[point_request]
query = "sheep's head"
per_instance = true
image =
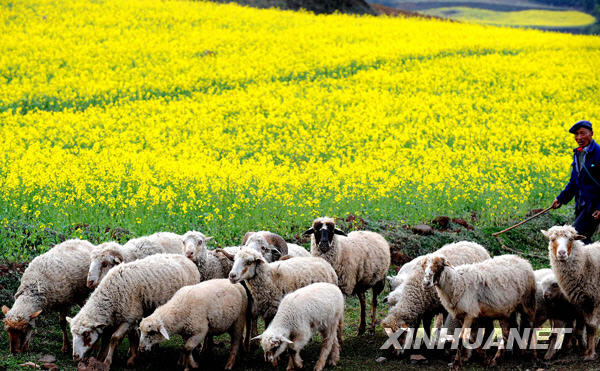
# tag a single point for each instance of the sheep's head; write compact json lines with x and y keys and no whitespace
{"x":562,"y":240}
{"x":245,"y":264}
{"x":272,"y":246}
{"x":84,"y":337}
{"x":19,"y":329}
{"x":551,"y":289}
{"x":103,"y":258}
{"x":434,"y":266}
{"x":393,"y":297}
{"x":194,"y":245}
{"x":397,"y":321}
{"x":324,"y":230}
{"x":152,"y":332}
{"x":273,"y":345}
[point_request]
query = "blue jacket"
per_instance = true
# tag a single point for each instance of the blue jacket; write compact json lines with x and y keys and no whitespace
{"x":581,"y":186}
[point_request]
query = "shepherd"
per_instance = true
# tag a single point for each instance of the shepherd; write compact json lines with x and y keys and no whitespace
{"x":584,"y":184}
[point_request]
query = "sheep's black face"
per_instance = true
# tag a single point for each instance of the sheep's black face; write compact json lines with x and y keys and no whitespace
{"x":324,"y":236}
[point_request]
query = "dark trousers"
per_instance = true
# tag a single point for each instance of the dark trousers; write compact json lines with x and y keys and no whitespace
{"x":586,"y":224}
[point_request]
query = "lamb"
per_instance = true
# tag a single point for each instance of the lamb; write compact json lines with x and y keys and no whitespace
{"x":360,"y":259}
{"x":269,"y":282}
{"x":211,"y":263}
{"x":316,"y":307}
{"x":109,"y":254}
{"x":413,"y":303}
{"x":552,"y":305}
{"x":496,"y":288}
{"x":128,"y":292}
{"x":577,"y":270}
{"x":272,"y":246}
{"x":53,"y":281}
{"x":211,"y":307}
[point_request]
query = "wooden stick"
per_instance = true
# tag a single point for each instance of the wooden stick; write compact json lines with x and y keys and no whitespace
{"x":523,"y":222}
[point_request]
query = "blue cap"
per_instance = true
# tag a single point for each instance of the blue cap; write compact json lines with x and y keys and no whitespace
{"x":580,"y":124}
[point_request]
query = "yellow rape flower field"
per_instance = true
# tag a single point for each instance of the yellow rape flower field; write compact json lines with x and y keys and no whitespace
{"x":175,"y":115}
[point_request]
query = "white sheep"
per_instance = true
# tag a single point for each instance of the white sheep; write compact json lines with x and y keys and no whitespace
{"x":211,"y":263}
{"x":211,"y":307}
{"x":496,"y":288}
{"x":109,"y":254}
{"x":412,"y":303}
{"x":53,"y":281}
{"x":402,"y":274}
{"x":360,"y":259}
{"x":577,"y":270}
{"x":553,"y":305}
{"x":317,"y":307}
{"x":269,"y":282}
{"x":272,"y":246}
{"x":124,"y":295}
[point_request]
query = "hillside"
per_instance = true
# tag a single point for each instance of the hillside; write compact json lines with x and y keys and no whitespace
{"x":316,"y":6}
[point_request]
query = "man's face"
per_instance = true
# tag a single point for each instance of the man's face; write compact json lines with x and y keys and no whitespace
{"x":583,"y":136}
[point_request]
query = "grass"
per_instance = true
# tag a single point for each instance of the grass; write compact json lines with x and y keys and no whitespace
{"x":522,"y":18}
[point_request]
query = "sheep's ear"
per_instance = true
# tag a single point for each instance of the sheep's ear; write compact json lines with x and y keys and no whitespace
{"x":256,"y":337}
{"x":308,"y":232}
{"x":246,"y":237}
{"x":34,"y":315}
{"x":5,"y":309}
{"x":545,"y":233}
{"x":118,"y":259}
{"x":69,"y":319}
{"x":276,"y":253}
{"x":579,"y":237}
{"x":287,"y":340}
{"x":163,"y":331}
{"x":339,"y":231}
{"x":209,"y":238}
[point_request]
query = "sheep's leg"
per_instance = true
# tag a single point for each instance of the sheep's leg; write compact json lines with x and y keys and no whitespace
{"x":427,"y":318}
{"x":189,"y":347}
{"x":62,"y":319}
{"x":115,"y":339}
{"x":134,"y":350}
{"x":237,"y":336}
{"x":554,"y":324}
{"x":329,"y":337}
{"x":505,"y":324}
{"x":363,"y":304}
{"x":579,"y":332}
{"x":377,"y":289}
{"x":105,"y":344}
{"x":590,"y":352}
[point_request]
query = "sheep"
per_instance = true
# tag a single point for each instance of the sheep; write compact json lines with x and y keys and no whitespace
{"x":360,"y":259}
{"x":552,"y":305}
{"x":316,"y":307}
{"x":107,"y":255}
{"x":412,"y":303}
{"x":397,"y":280}
{"x":269,"y":282}
{"x":577,"y":270}
{"x":495,"y":288}
{"x":123,"y":297}
{"x":272,"y":246}
{"x":211,"y":307}
{"x":211,"y":263}
{"x":53,"y":281}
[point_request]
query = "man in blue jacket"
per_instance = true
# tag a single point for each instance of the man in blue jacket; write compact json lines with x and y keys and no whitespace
{"x":584,"y":184}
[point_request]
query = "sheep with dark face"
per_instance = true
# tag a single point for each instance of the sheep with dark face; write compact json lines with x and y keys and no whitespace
{"x":361,"y":260}
{"x":577,"y":270}
{"x":272,"y":246}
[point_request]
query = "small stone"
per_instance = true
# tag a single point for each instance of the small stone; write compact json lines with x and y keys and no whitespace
{"x":422,"y":229}
{"x":48,"y":358}
{"x":381,"y":359}
{"x":540,"y":369}
{"x":29,"y":364}
{"x":415,"y":358}
{"x":50,"y":366}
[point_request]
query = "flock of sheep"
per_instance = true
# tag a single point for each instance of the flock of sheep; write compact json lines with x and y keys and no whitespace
{"x":157,"y":286}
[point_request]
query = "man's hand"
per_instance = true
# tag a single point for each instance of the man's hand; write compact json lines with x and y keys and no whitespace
{"x":596,"y":214}
{"x":556,"y":204}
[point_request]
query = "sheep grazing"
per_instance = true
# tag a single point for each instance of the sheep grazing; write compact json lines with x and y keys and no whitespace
{"x":317,"y":307}
{"x":577,"y":270}
{"x":109,"y":254}
{"x":53,"y":281}
{"x":360,"y":259}
{"x":412,"y":303}
{"x":269,"y":282}
{"x":124,"y":295}
{"x":496,"y":288}
{"x":211,"y":263}
{"x":211,"y":307}
{"x":272,"y":246}
{"x":552,"y":305}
